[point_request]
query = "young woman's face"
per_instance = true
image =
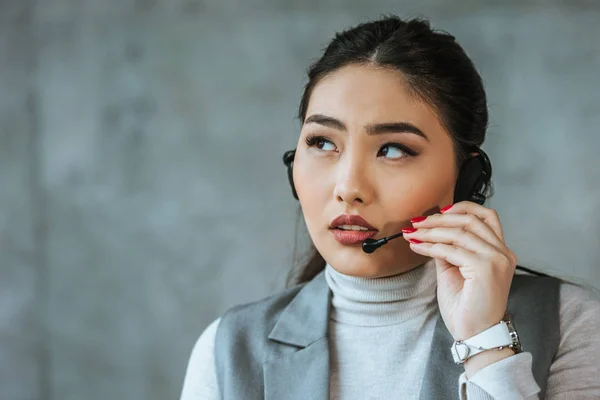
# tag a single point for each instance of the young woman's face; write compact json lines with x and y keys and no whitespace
{"x":369,"y":148}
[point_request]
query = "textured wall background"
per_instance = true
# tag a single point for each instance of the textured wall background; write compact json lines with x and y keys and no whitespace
{"x":141,"y":187}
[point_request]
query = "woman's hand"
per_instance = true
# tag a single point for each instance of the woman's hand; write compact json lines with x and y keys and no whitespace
{"x":474,"y":266}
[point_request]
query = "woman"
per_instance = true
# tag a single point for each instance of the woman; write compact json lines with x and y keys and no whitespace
{"x":393,"y":117}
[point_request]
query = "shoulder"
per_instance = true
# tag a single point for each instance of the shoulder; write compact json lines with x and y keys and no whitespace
{"x":540,"y":292}
{"x":579,"y":308}
{"x":257,"y":313}
{"x":579,"y":295}
{"x":527,"y":280}
{"x":241,"y":339}
{"x":205,"y":343}
{"x":202,"y":353}
{"x":200,"y":378}
{"x":572,"y":300}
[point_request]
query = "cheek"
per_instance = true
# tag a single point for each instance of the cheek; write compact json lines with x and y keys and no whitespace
{"x":407,"y":196}
{"x":312,"y":186}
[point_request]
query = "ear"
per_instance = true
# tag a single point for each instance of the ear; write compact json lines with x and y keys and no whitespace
{"x":288,"y":160}
{"x":288,"y":157}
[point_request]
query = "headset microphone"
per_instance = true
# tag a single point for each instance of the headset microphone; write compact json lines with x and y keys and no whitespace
{"x":370,"y":245}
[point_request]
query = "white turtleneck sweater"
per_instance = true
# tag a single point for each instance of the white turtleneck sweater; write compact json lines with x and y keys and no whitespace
{"x":380,"y":333}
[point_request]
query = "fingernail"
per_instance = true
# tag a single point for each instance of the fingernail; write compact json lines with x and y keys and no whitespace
{"x":409,"y":230}
{"x":418,"y":219}
{"x":415,"y":241}
{"x":446,"y":208}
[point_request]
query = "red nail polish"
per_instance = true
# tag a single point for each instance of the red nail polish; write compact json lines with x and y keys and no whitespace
{"x":446,"y":208}
{"x":418,"y":219}
{"x":415,"y":241}
{"x":409,"y":230}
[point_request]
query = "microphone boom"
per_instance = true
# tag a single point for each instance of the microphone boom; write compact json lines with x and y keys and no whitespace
{"x":370,"y":245}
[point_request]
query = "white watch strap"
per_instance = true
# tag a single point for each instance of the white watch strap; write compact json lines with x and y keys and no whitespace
{"x":495,"y":337}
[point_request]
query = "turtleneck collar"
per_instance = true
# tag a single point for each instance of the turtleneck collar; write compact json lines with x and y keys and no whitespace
{"x":381,"y":301}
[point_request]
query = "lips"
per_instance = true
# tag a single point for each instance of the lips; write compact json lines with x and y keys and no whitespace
{"x":352,"y":236}
{"x":347,"y":219}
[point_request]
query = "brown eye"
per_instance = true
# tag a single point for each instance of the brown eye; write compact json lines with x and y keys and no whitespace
{"x":392,"y":151}
{"x":320,"y":143}
{"x":395,"y":151}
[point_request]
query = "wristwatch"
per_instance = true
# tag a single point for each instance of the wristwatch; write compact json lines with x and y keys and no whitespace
{"x":499,"y":336}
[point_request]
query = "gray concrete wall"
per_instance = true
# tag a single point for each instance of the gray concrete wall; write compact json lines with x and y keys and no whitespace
{"x":141,"y":187}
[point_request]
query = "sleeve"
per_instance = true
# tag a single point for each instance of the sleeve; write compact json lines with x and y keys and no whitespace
{"x":508,"y":379}
{"x":574,"y":371}
{"x":200,"y":381}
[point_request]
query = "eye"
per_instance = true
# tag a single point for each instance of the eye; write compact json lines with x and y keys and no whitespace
{"x":320,"y":143}
{"x":395,"y":151}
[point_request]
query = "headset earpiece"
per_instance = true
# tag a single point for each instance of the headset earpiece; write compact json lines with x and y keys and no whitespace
{"x":474,"y":178}
{"x":288,"y":160}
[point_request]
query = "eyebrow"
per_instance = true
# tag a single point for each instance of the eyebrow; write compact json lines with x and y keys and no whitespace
{"x":373,"y":129}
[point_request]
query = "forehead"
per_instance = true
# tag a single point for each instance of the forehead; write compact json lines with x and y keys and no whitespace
{"x":363,"y":94}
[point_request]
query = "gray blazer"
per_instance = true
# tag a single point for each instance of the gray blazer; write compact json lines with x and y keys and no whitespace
{"x":277,"y":348}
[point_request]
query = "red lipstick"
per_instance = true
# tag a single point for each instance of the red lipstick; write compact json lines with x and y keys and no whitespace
{"x":351,"y":229}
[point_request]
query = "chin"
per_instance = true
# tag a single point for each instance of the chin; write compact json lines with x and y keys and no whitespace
{"x":390,"y":260}
{"x":353,"y":261}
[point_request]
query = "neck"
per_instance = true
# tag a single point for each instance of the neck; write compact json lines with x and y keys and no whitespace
{"x":381,"y":301}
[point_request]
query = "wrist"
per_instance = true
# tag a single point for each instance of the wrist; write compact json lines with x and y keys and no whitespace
{"x":479,"y":361}
{"x":500,"y":338}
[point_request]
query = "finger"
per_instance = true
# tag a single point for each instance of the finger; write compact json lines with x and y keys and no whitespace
{"x":456,"y":237}
{"x":456,"y":256}
{"x":487,"y":215}
{"x":468,"y":222}
{"x":469,"y":263}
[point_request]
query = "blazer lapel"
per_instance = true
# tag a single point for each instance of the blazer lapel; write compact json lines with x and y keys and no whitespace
{"x":298,"y":365}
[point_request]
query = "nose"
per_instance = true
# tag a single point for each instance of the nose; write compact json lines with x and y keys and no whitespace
{"x":353,"y":185}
